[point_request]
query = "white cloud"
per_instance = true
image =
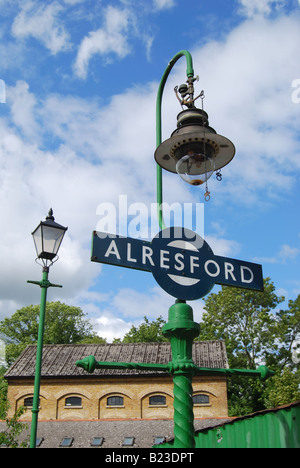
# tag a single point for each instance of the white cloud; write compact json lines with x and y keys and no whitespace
{"x":23,"y":109}
{"x":111,"y":39}
{"x":125,"y":309}
{"x":34,"y":180}
{"x":223,"y":247}
{"x":97,"y":153}
{"x":286,"y":253}
{"x":296,"y":351}
{"x":136,"y":304}
{"x":129,"y":307}
{"x":73,"y":2}
{"x":2,"y":92}
{"x":248,"y":98}
{"x":42,"y":22}
{"x":164,"y":4}
{"x":109,"y":326}
{"x":259,"y":8}
{"x":122,"y":28}
{"x":84,"y":168}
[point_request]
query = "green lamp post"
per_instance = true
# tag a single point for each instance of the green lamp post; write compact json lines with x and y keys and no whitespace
{"x":195,"y":151}
{"x":47,"y":239}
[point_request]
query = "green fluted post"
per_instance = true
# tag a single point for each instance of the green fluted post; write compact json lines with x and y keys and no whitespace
{"x":39,"y":351}
{"x":44,"y":285}
{"x":181,"y":331}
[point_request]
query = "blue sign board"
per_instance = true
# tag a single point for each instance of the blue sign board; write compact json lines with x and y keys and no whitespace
{"x":181,"y":262}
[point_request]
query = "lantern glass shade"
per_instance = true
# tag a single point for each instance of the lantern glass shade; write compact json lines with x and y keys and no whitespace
{"x":195,"y":168}
{"x":48,"y":237}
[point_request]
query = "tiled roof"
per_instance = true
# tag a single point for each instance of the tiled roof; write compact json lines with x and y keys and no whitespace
{"x":59,"y":360}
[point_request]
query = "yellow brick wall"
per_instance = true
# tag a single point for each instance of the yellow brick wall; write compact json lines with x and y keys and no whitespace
{"x":135,"y":391}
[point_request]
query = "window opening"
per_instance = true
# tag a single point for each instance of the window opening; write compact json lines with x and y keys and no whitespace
{"x":38,"y":441}
{"x":115,"y":401}
{"x":97,"y":441}
{"x":128,"y":441}
{"x":73,"y":401}
{"x":200,"y":399}
{"x":157,"y":400}
{"x":159,"y":440}
{"x":66,"y":442}
{"x":28,"y":402}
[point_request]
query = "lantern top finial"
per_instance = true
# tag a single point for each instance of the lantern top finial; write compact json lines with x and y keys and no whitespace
{"x":50,"y":215}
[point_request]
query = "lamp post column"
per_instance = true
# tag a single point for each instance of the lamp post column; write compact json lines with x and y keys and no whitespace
{"x":44,"y":284}
{"x":47,"y":239}
{"x":181,"y":331}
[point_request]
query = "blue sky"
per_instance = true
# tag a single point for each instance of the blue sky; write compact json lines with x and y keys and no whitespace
{"x":77,"y":130}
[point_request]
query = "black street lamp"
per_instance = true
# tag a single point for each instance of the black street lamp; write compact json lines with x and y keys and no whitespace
{"x":47,"y":239}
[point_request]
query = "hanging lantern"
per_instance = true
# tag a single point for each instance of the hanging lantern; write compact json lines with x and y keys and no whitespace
{"x":194,"y":150}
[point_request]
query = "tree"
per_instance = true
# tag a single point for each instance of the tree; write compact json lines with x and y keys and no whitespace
{"x":63,"y":325}
{"x":147,"y":332}
{"x":10,"y":437}
{"x":252,"y":331}
{"x":3,"y":397}
{"x":242,"y":318}
{"x":288,"y":348}
{"x":284,"y":388}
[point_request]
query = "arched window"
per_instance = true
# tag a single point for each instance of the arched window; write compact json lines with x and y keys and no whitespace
{"x":200,"y":399}
{"x":157,"y":400}
{"x":28,"y":402}
{"x":73,"y":401}
{"x":115,"y":401}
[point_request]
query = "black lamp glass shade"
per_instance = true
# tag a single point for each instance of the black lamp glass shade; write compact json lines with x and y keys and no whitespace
{"x":47,"y":238}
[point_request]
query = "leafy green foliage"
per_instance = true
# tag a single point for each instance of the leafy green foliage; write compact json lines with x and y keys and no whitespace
{"x":282,"y":389}
{"x":3,"y":397}
{"x":64,"y":324}
{"x":255,"y":334}
{"x":10,"y":437}
{"x":242,"y":318}
{"x":147,"y":332}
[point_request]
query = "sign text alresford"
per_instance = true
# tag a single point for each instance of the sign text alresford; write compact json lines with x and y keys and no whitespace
{"x":181,"y":262}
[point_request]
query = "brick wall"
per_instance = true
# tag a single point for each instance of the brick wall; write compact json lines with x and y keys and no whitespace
{"x":134,"y":390}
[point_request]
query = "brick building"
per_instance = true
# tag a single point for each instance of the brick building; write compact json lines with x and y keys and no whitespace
{"x":69,"y":393}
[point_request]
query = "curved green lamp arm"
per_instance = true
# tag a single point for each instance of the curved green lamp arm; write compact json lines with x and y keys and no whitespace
{"x":190,"y":73}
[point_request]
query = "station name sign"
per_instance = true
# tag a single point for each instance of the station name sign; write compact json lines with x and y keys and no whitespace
{"x":180,"y":260}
